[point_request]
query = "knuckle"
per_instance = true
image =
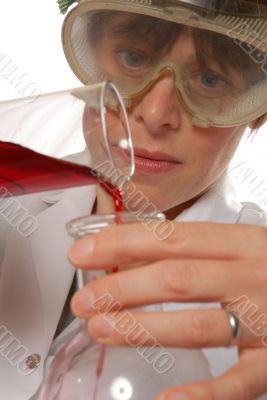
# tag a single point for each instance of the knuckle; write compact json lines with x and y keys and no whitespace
{"x":113,"y":286}
{"x":259,"y":269}
{"x":98,"y":240}
{"x":232,"y":389}
{"x":109,"y":289}
{"x":242,"y":391}
{"x":200,"y":329}
{"x":178,"y":241}
{"x":110,"y":236}
{"x":178,"y":277}
{"x":110,"y":240}
{"x":257,"y":236}
{"x":210,"y":394}
{"x":263,"y":233}
{"x":117,"y":242}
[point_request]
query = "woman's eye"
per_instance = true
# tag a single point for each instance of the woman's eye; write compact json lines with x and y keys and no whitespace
{"x":208,"y":84}
{"x":131,"y":59}
{"x":212,"y":80}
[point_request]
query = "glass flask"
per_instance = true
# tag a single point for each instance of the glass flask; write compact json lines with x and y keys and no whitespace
{"x":86,"y":370}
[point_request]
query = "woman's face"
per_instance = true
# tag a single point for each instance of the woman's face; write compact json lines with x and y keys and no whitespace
{"x":175,"y":160}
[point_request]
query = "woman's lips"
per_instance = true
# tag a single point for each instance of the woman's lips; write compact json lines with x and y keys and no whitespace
{"x":151,"y":163}
{"x":151,"y":166}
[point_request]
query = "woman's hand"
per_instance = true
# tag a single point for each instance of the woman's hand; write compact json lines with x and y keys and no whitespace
{"x":199,"y":262}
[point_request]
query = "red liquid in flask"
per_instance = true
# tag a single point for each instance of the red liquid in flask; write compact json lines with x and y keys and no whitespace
{"x":24,"y":171}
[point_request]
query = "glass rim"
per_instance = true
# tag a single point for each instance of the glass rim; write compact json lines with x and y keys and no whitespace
{"x":83,"y":94}
{"x":92,"y":224}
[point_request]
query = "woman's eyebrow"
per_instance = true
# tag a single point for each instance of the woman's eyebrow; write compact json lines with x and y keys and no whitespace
{"x":129,"y":29}
{"x":123,"y":30}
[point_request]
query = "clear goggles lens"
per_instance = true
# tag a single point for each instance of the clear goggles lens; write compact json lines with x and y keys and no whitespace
{"x":221,"y":81}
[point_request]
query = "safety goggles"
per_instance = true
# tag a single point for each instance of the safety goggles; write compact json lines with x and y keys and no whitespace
{"x":216,"y":52}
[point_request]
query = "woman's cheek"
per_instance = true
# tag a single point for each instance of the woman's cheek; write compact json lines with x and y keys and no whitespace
{"x":218,"y":145}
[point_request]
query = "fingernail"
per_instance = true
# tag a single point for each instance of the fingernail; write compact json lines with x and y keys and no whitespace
{"x":84,"y":301}
{"x":101,"y":327}
{"x":175,"y":396}
{"x":81,"y":250}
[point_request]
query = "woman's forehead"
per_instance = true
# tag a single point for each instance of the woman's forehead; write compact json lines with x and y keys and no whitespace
{"x":124,"y":23}
{"x":147,"y":29}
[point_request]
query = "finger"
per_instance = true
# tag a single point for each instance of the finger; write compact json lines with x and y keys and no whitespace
{"x":187,"y":328}
{"x":246,"y":381}
{"x":170,"y":280}
{"x":130,"y":243}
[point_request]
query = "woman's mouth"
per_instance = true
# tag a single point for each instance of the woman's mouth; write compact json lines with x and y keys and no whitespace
{"x":151,"y":162}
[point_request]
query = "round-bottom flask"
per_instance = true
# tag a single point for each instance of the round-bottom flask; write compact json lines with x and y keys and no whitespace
{"x":86,"y":370}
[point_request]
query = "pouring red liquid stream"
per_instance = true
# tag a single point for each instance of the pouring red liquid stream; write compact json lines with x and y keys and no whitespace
{"x":24,"y":171}
{"x":118,"y":205}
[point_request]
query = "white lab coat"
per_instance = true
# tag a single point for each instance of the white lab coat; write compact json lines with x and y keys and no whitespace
{"x":36,"y":274}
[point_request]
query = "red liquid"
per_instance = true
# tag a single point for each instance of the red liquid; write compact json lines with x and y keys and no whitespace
{"x":23,"y":171}
{"x":118,"y":205}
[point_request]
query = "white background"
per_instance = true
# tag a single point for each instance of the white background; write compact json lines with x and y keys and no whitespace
{"x":30,"y":37}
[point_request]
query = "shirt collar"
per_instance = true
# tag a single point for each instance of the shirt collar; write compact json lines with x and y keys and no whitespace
{"x":219,"y":204}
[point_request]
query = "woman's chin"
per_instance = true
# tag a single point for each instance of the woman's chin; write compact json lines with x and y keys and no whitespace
{"x":146,"y":202}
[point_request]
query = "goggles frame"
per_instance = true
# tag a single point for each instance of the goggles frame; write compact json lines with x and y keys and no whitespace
{"x":186,"y":12}
{"x":199,"y":118}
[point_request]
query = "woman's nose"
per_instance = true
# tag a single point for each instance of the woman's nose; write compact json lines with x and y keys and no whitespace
{"x":159,"y":109}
